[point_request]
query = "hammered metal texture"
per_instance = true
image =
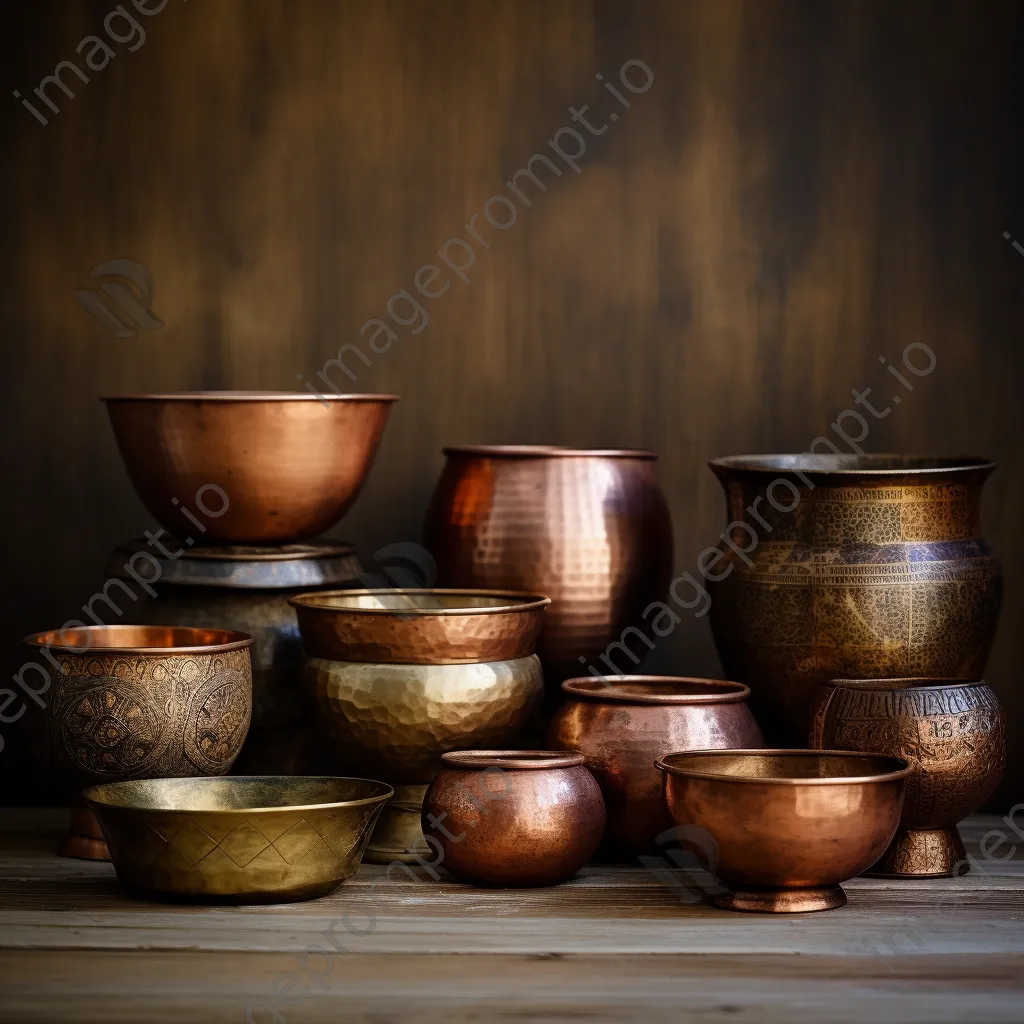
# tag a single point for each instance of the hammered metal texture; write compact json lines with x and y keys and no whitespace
{"x":952,"y":734}
{"x":225,"y":840}
{"x":869,"y":576}
{"x":590,"y":530}
{"x":394,"y":722}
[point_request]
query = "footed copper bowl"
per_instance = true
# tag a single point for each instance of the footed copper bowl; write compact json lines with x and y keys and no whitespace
{"x":242,"y":839}
{"x":788,"y":825}
{"x":251,"y":467}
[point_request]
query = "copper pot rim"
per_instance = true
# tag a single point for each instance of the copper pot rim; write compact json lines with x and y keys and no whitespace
{"x":850,"y":466}
{"x":309,"y":551}
{"x":91,"y":794}
{"x":894,"y":774}
{"x":523,"y":601}
{"x":593,"y":688}
{"x":904,"y":683}
{"x":219,"y":641}
{"x":546,"y":451}
{"x":249,"y":396}
{"x":516,"y":760}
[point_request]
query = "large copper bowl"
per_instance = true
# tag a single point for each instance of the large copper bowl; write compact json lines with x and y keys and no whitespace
{"x":849,"y":566}
{"x":251,"y":467}
{"x":142,"y":702}
{"x":420,"y":627}
{"x":623,"y":723}
{"x":787,"y":826}
{"x":588,"y":528}
{"x":952,"y":734}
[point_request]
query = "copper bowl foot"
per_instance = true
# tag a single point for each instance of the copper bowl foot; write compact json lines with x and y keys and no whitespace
{"x":85,"y":837}
{"x":398,"y":834}
{"x":782,"y":901}
{"x":923,"y":853}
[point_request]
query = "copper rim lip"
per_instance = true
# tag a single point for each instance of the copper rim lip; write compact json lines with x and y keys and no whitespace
{"x":513,"y":759}
{"x":135,"y":808}
{"x":905,"y":683}
{"x":310,"y":552}
{"x":524,"y":601}
{"x":834,"y":780}
{"x":593,"y":688}
{"x":231,"y":640}
{"x":859,"y":465}
{"x":248,"y":396}
{"x":545,"y":451}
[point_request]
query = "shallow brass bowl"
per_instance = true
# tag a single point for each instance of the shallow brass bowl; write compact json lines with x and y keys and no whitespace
{"x":788,"y":825}
{"x":420,"y":627}
{"x":243,"y":839}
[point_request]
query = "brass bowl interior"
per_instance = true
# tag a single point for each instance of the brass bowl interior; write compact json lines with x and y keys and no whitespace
{"x":787,"y":767}
{"x":656,"y":690}
{"x":422,"y":602}
{"x":141,"y":639}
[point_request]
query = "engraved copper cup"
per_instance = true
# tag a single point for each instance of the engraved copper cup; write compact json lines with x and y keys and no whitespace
{"x":623,"y":723}
{"x":513,"y":817}
{"x":786,"y":827}
{"x":953,"y":734}
{"x":142,"y":702}
{"x":849,"y":566}
{"x":588,"y":528}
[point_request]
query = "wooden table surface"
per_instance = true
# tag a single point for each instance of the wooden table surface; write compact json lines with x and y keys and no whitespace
{"x":614,"y":944}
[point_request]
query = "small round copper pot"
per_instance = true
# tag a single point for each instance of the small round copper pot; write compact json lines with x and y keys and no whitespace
{"x":785,"y":827}
{"x":953,"y":734}
{"x":623,"y":723}
{"x":512,"y":818}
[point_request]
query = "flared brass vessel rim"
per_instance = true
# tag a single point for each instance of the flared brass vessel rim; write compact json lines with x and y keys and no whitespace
{"x":546,"y":451}
{"x":900,"y":768}
{"x":881,"y":464}
{"x":616,"y":690}
{"x":905,"y":683}
{"x":185,"y":640}
{"x":513,"y":759}
{"x":522,"y":601}
{"x":248,"y":396}
{"x":92,"y":794}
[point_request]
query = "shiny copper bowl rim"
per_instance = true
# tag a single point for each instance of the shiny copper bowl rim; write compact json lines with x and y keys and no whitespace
{"x":596,"y":689}
{"x":513,"y":759}
{"x":316,"y":551}
{"x":89,"y":794}
{"x":832,"y":780}
{"x":527,"y":602}
{"x":905,"y":683}
{"x":817,"y":465}
{"x":231,"y":640}
{"x":248,"y":396}
{"x":545,"y":451}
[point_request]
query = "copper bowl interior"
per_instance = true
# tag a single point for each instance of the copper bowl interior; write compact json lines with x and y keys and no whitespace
{"x":141,"y":639}
{"x":655,"y":690}
{"x":785,"y":767}
{"x":514,"y":760}
{"x":388,"y":602}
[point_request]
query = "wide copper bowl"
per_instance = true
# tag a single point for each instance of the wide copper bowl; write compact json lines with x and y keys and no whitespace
{"x":243,"y":839}
{"x":588,"y":528}
{"x":258,"y":467}
{"x":143,"y":702}
{"x":513,"y":817}
{"x":849,"y":566}
{"x":420,"y":627}
{"x":952,"y":734}
{"x":622,"y":723}
{"x":786,"y":826}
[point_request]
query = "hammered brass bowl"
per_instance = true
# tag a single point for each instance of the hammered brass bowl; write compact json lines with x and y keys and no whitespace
{"x":788,"y":825}
{"x":420,"y":627}
{"x":251,"y":467}
{"x":242,"y":839}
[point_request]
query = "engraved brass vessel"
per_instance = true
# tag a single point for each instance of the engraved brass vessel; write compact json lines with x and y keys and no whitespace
{"x":953,"y":734}
{"x":142,"y":702}
{"x":857,"y":566}
{"x":788,"y":826}
{"x":242,"y":839}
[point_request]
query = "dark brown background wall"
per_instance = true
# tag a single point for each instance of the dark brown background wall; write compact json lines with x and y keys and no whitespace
{"x":804,"y":188}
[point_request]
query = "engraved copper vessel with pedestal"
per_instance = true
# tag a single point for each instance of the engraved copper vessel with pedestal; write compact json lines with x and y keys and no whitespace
{"x":588,"y":528}
{"x":856,"y":566}
{"x":953,"y":735}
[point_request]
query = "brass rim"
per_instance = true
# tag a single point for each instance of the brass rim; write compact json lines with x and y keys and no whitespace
{"x":248,"y":396}
{"x":513,"y":759}
{"x":546,"y":451}
{"x":301,"y":552}
{"x":230,"y":640}
{"x":524,"y":602}
{"x":882,"y":464}
{"x":595,"y":688}
{"x":908,"y":683}
{"x":769,"y":780}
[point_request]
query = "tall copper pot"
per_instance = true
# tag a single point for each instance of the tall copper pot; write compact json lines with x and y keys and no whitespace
{"x":588,"y":528}
{"x":850,"y":566}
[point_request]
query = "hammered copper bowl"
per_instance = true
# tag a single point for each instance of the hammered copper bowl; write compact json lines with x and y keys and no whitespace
{"x":622,"y":723}
{"x":513,"y":818}
{"x":257,"y":467}
{"x":788,"y":825}
{"x":142,"y":702}
{"x":953,"y":734}
{"x":420,"y":627}
{"x":242,"y":839}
